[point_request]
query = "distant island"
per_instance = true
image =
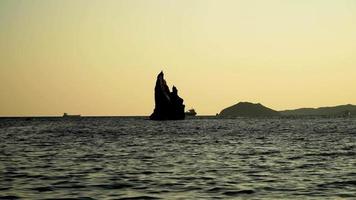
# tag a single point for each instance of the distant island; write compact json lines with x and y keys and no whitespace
{"x":247,"y":109}
{"x":336,"y":111}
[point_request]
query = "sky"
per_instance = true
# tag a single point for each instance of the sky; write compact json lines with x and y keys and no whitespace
{"x":102,"y":57}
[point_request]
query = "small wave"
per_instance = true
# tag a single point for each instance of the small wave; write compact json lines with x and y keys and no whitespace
{"x":346,"y":195}
{"x":72,"y":187}
{"x":217,"y":189}
{"x":4,"y":188}
{"x":77,"y":198}
{"x":334,"y":154}
{"x":294,"y":157}
{"x":338,"y":184}
{"x":191,"y":188}
{"x":114,"y":186}
{"x":43,"y":189}
{"x":138,"y":197}
{"x":148,"y":172}
{"x":239,"y":192}
{"x":309,"y":165}
{"x":171,"y":185}
{"x":229,"y":191}
{"x":10,"y":197}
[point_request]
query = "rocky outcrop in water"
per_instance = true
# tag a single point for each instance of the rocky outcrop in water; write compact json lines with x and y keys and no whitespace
{"x":168,"y":105}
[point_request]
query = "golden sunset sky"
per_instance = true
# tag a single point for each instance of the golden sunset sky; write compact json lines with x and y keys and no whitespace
{"x":102,"y":57}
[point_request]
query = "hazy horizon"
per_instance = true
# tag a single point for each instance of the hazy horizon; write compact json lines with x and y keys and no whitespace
{"x":143,"y":115}
{"x":102,"y":57}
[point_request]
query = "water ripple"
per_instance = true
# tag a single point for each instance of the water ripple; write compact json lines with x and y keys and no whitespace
{"x":134,"y":158}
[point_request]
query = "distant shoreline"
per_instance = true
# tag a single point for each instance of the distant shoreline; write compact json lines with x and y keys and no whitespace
{"x":188,"y":118}
{"x":103,"y":116}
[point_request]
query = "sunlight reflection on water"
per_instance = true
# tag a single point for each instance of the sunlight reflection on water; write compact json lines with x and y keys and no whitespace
{"x":118,"y":158}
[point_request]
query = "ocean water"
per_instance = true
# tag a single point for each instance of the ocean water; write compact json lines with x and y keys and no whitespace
{"x":134,"y":158}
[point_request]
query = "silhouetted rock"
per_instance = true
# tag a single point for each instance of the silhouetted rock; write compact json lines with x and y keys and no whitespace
{"x":168,"y":105}
{"x":246,"y":109}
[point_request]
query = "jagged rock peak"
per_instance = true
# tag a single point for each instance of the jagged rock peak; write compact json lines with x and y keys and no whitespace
{"x":168,"y":105}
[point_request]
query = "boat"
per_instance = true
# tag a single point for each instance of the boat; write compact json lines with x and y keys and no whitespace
{"x":66,"y":115}
{"x":191,"y":112}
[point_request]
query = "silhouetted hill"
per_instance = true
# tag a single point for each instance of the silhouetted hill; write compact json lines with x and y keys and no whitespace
{"x":247,"y":109}
{"x":342,"y":110}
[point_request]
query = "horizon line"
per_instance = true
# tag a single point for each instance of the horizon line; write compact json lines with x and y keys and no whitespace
{"x":203,"y":115}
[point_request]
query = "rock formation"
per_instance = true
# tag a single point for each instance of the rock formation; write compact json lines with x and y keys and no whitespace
{"x":168,"y":105}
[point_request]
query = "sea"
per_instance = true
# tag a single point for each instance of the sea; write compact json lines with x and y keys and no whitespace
{"x":199,"y":158}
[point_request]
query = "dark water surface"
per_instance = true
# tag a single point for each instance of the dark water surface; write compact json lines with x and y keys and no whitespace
{"x":133,"y":158}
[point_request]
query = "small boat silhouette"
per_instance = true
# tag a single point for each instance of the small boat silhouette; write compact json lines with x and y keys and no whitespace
{"x":191,"y":112}
{"x":67,"y":115}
